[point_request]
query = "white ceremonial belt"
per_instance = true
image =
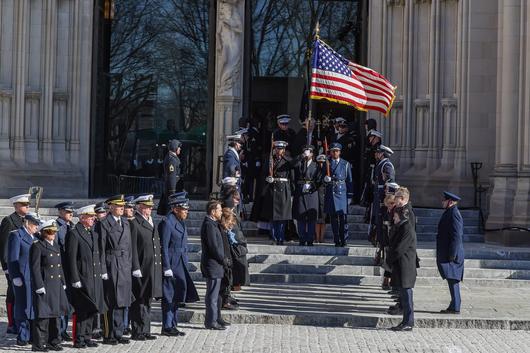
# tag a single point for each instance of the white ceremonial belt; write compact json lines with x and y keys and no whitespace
{"x":281,"y":179}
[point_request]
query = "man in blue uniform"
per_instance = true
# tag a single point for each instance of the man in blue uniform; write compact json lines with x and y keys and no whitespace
{"x":231,"y":160}
{"x":450,"y":249}
{"x":339,"y":192}
{"x":384,"y":172}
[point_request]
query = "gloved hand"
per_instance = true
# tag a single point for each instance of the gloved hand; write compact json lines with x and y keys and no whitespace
{"x":77,"y":285}
{"x":269,"y":179}
{"x":168,"y":273}
{"x":349,"y":201}
{"x":327,"y":179}
{"x":105,"y":276}
{"x":64,"y":287}
{"x":137,"y":273}
{"x":258,"y":164}
{"x":17,"y":282}
{"x":41,"y":291}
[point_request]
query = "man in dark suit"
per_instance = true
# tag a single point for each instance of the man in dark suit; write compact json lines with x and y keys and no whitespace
{"x":177,"y":285}
{"x":10,"y":223}
{"x":171,"y":175}
{"x":213,"y":261}
{"x":84,"y":274}
{"x":450,"y":249}
{"x":146,"y":252}
{"x":115,"y":235}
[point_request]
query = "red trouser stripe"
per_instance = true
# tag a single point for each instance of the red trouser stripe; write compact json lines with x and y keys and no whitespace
{"x":74,"y":327}
{"x":10,"y":321}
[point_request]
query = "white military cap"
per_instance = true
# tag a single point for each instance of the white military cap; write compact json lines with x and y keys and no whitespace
{"x":229,"y":181}
{"x":24,"y":198}
{"x":385,"y":150}
{"x":280,"y":144}
{"x":375,"y":133}
{"x":48,"y":225}
{"x":283,"y":119}
{"x":236,"y":137}
{"x":146,"y":199}
{"x":86,"y":210}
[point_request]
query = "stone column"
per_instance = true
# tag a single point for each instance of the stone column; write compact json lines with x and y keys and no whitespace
{"x":228,"y":73}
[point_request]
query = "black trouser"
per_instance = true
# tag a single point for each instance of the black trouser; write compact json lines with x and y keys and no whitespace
{"x":114,"y":323}
{"x":83,"y":323}
{"x":140,"y":316}
{"x":46,"y":331}
{"x":226,"y":285}
{"x":213,"y":301}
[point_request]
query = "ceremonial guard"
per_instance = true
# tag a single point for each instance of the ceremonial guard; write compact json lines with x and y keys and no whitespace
{"x":171,"y":175}
{"x":146,"y":249}
{"x":115,"y":234}
{"x":384,"y":172}
{"x":339,"y":191}
{"x":49,"y":297}
{"x":231,"y":161}
{"x":177,"y":285}
{"x":64,"y":224}
{"x":284,"y":132}
{"x":252,"y":158}
{"x":276,"y":204}
{"x":321,"y":217}
{"x":373,"y":140}
{"x":10,"y":223}
{"x":85,"y":271}
{"x":18,"y":264}
{"x":450,"y":249}
{"x":305,"y":204}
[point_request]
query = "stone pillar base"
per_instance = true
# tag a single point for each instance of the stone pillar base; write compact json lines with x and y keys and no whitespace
{"x":508,"y":237}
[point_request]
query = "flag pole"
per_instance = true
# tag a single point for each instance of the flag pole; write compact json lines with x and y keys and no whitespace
{"x":310,"y":101}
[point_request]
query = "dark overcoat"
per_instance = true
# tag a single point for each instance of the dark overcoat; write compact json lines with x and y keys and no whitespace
{"x":47,"y":272}
{"x":340,"y":189}
{"x":231,"y":163}
{"x":239,"y":251}
{"x":449,"y":243}
{"x":171,"y":181}
{"x":117,"y":251}
{"x":213,"y":257}
{"x":384,"y":172}
{"x":174,"y":249}
{"x":276,"y":202}
{"x":147,"y":257}
{"x":402,"y":255}
{"x":19,"y":244}
{"x":9,"y":224}
{"x":306,"y":202}
{"x":85,"y":265}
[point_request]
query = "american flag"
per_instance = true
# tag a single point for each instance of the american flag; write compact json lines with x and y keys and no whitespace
{"x":339,"y":80}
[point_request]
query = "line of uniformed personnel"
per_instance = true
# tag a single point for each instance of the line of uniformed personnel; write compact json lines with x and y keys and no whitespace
{"x":110,"y":264}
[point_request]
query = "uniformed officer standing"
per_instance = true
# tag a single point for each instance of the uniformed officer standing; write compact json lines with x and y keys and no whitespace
{"x":177,"y":285}
{"x":146,"y":249}
{"x":339,"y":192}
{"x":171,"y":175}
{"x":85,"y":273}
{"x":252,"y":152}
{"x":284,"y":133}
{"x":346,"y":140}
{"x":276,"y":206}
{"x":18,"y":264}
{"x":10,"y":223}
{"x":305,"y":204}
{"x":64,"y":224}
{"x":115,"y":234}
{"x":384,"y":172}
{"x":231,"y":161}
{"x":450,"y":249}
{"x":48,"y":283}
{"x":373,"y":140}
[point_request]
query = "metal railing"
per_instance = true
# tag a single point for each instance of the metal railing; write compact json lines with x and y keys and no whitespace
{"x":128,"y":184}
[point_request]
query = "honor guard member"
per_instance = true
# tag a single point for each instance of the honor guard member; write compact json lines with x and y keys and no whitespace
{"x":231,"y":161}
{"x":384,"y":172}
{"x":10,"y":223}
{"x":284,"y":133}
{"x":305,"y":204}
{"x":346,"y":140}
{"x":49,"y":296}
{"x":373,"y":140}
{"x":339,"y":192}
{"x":277,"y":205}
{"x":177,"y":285}
{"x":64,"y":224}
{"x":171,"y":175}
{"x":252,"y":151}
{"x":450,"y":249}
{"x":148,"y":283}
{"x":101,"y":211}
{"x":18,"y":264}
{"x":85,"y":273}
{"x":334,"y":130}
{"x":115,"y":235}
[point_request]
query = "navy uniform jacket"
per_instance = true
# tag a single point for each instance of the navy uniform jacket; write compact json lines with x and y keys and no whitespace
{"x":61,"y":233}
{"x":85,"y":265}
{"x":305,"y":204}
{"x":348,"y":145}
{"x":146,"y":250}
{"x":213,"y":257}
{"x":340,"y":189}
{"x":18,"y":244}
{"x":116,"y":248}
{"x":47,"y":272}
{"x":171,"y":179}
{"x":174,"y":249}
{"x":276,"y":197}
{"x":384,"y":172}
{"x":231,"y":163}
{"x":449,"y":243}
{"x":9,"y":224}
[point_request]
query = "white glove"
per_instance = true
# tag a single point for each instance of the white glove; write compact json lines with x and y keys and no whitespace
{"x":64,"y":287}
{"x":6,"y":271}
{"x":168,"y":273}
{"x":238,"y":174}
{"x":41,"y":291}
{"x":349,"y":201}
{"x":258,"y":164}
{"x":327,"y":179}
{"x":77,"y":285}
{"x":105,"y":276}
{"x":17,"y":282}
{"x":137,"y":273}
{"x":269,"y":179}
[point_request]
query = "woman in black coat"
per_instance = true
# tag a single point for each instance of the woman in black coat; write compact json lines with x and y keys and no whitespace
{"x":402,"y":260}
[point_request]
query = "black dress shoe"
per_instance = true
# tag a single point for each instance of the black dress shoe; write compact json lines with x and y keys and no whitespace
{"x":281,"y":242}
{"x":55,"y":347}
{"x":230,"y":306}
{"x":150,"y":337}
{"x":123,"y":340}
{"x":223,"y":322}
{"x":66,"y":337}
{"x":310,"y":243}
{"x":127,"y":331}
{"x":12,"y":330}
{"x":21,"y":343}
{"x":96,"y":335}
{"x":172,"y":332}
{"x":110,"y":341}
{"x":402,"y":327}
{"x":449,"y":311}
{"x":394,"y":310}
{"x":337,"y":245}
{"x":181,"y":305}
{"x":91,"y":344}
{"x":215,"y":326}
{"x":139,"y":337}
{"x":79,"y":345}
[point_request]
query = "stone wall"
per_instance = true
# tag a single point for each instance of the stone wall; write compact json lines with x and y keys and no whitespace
{"x":45,"y":80}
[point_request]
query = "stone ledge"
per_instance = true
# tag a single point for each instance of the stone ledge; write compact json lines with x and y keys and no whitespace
{"x":508,"y":237}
